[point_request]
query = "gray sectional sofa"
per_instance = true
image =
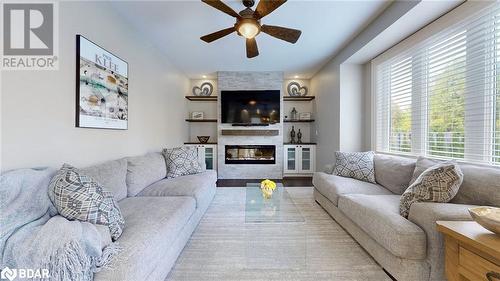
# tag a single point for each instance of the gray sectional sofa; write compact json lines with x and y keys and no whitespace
{"x":409,"y":249}
{"x":160,"y":214}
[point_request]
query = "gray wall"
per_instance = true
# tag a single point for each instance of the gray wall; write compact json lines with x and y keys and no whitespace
{"x":38,"y":107}
{"x":340,"y":115}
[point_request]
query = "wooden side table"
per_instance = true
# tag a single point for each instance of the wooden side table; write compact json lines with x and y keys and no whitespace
{"x":471,"y":252}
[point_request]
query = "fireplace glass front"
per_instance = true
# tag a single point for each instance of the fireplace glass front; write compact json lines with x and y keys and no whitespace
{"x":250,"y":154}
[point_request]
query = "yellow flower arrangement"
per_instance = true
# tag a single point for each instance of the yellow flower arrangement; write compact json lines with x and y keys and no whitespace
{"x":267,"y":187}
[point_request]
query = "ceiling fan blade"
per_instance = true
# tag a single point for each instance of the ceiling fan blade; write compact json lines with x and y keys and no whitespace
{"x":252,"y":50}
{"x":219,"y":5}
{"x":283,"y":33}
{"x":265,"y":7}
{"x":217,"y":35}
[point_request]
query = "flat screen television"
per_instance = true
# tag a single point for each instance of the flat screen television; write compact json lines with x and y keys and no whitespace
{"x":250,"y":107}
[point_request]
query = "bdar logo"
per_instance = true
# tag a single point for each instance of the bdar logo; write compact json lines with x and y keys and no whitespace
{"x":28,"y":29}
{"x":8,"y":273}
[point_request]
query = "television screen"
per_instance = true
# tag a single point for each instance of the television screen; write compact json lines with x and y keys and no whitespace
{"x":250,"y":107}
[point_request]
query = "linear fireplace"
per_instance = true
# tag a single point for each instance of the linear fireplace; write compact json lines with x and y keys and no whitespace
{"x":250,"y":154}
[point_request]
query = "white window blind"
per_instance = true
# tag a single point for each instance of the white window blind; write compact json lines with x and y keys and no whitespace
{"x":441,"y":98}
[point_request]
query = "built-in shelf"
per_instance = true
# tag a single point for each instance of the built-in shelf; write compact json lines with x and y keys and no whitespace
{"x":214,"y":98}
{"x":306,"y":98}
{"x":304,"y":143}
{"x":200,"y":143}
{"x":201,"y":120}
{"x":299,"y":121}
{"x":202,"y":98}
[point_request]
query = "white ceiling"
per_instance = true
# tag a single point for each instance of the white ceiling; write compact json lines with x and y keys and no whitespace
{"x":175,"y":27}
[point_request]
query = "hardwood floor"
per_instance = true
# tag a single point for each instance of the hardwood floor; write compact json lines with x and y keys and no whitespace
{"x":226,"y":248}
{"x":287,"y":182}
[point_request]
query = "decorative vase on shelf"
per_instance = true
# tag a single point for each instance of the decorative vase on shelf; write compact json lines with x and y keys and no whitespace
{"x":292,"y":135}
{"x":299,"y":137}
{"x":293,"y":114}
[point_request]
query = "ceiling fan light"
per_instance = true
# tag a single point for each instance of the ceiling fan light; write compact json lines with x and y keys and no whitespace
{"x":248,"y":29}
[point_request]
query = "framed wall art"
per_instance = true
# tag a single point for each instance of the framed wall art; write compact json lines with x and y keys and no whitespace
{"x":101,"y":87}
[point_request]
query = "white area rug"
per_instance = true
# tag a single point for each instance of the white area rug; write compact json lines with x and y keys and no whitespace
{"x":224,"y":247}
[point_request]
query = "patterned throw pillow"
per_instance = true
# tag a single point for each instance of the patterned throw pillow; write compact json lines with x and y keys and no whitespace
{"x":356,"y":165}
{"x":182,"y":161}
{"x":439,"y":183}
{"x":79,"y":197}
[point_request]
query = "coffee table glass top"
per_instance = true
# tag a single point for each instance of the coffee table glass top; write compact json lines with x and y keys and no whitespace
{"x":279,"y":208}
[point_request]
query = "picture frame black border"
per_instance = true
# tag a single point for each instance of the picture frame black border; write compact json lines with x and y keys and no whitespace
{"x":77,"y":85}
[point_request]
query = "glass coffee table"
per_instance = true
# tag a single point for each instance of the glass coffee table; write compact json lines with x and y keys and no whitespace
{"x":278,"y":208}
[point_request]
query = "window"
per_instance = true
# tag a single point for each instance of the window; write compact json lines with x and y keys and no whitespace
{"x":446,"y":97}
{"x":400,"y":88}
{"x":441,"y":98}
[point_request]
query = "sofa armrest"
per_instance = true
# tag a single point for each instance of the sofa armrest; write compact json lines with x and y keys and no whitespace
{"x":425,"y":215}
{"x":328,"y":169}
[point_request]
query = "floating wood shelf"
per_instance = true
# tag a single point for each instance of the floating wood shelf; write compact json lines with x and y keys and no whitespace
{"x":250,"y":132}
{"x":200,"y":143}
{"x":304,"y":143}
{"x":299,"y":121}
{"x":201,"y":120}
{"x":306,"y":98}
{"x":202,"y":98}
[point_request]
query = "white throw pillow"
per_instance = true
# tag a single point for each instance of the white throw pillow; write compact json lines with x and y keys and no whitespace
{"x":439,"y":183}
{"x":182,"y":161}
{"x":356,"y":165}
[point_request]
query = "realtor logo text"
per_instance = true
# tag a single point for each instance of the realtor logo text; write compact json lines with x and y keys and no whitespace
{"x":29,"y":36}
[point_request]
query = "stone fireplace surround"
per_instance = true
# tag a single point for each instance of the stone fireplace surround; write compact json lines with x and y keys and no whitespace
{"x":233,"y":81}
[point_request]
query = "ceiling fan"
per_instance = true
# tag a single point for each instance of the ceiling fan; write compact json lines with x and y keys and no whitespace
{"x":248,"y":24}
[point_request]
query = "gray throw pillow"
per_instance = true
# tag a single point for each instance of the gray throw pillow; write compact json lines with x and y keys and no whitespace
{"x":182,"y":161}
{"x":79,"y":197}
{"x":356,"y":165}
{"x":439,"y":183}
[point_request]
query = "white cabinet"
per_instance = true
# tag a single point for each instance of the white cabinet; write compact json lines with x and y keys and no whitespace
{"x":299,"y":158}
{"x":207,"y":155}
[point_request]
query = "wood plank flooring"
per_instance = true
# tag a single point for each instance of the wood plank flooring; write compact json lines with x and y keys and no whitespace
{"x":224,"y":247}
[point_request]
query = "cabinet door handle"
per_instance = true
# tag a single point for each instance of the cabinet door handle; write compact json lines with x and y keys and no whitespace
{"x":493,"y":275}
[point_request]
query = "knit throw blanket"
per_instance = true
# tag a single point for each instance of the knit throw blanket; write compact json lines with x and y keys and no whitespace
{"x":34,"y":237}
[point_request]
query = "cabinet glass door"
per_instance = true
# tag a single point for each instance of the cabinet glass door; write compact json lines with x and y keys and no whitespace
{"x":291,"y":161}
{"x":306,"y":159}
{"x":209,"y":158}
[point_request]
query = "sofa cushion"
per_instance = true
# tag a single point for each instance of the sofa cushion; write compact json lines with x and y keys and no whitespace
{"x":77,"y":196}
{"x":153,"y":224}
{"x":439,"y":183}
{"x":480,"y":185}
{"x":356,"y":165}
{"x":197,"y":186}
{"x":378,"y":216}
{"x":332,"y":186}
{"x":393,"y":172}
{"x":143,"y":171}
{"x":182,"y":161}
{"x":111,"y":175}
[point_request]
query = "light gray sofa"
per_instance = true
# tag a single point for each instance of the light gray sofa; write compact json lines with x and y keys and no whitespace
{"x":160,"y":214}
{"x":409,"y":249}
